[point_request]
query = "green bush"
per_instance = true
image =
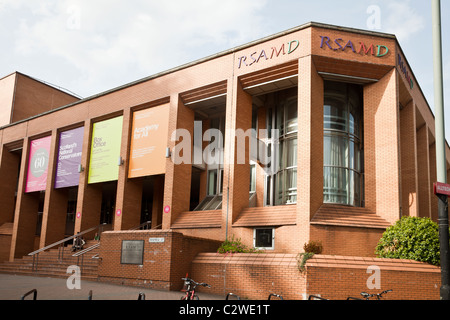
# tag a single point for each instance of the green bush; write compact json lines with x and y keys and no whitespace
{"x":411,"y":238}
{"x":235,"y":246}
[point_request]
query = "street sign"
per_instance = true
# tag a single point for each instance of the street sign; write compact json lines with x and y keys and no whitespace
{"x":441,"y":188}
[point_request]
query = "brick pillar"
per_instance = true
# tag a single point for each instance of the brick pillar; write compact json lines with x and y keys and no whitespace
{"x":423,"y":163}
{"x":409,"y":160}
{"x":310,"y":145}
{"x":55,"y":203}
{"x":9,"y":170}
{"x":178,"y":176}
{"x":236,"y":176}
{"x":381,"y":147}
{"x":25,"y":218}
{"x":129,"y":191}
{"x":89,"y":196}
{"x":260,"y":174}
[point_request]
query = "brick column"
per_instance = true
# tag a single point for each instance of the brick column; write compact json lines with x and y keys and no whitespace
{"x":55,"y":203}
{"x":409,"y":160}
{"x":89,"y":196}
{"x":381,"y":147}
{"x":310,"y":144}
{"x":9,"y":170}
{"x":25,"y":218}
{"x":178,"y":176}
{"x":129,"y":191}
{"x":236,"y":174}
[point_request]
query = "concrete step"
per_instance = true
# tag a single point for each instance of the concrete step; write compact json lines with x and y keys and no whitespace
{"x":49,"y":264}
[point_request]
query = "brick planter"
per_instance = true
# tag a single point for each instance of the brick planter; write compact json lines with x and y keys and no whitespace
{"x":255,"y":276}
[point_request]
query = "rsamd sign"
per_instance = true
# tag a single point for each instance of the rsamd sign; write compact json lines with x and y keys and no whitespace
{"x":361,"y":48}
{"x":267,"y":54}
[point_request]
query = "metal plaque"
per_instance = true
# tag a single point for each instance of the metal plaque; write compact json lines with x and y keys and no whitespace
{"x":132,"y":252}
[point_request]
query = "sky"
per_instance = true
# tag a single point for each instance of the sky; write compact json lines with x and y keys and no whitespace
{"x":90,"y":46}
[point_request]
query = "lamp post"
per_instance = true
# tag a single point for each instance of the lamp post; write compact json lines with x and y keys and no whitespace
{"x":441,"y":164}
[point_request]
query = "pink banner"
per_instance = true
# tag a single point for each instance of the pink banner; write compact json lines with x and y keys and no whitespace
{"x":38,"y":164}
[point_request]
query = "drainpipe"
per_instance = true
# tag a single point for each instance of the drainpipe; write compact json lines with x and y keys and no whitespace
{"x":440,"y":150}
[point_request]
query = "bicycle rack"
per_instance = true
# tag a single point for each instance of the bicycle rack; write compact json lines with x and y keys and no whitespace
{"x":313,"y":297}
{"x":34,"y":292}
{"x":275,"y":295}
{"x":232,"y":294}
{"x":141,"y":296}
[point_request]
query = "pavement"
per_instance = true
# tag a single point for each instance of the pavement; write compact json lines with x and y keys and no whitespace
{"x":13,"y":287}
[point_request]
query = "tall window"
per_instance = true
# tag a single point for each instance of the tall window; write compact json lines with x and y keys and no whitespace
{"x":214,"y":183}
{"x":343,"y":148}
{"x":281,"y":185}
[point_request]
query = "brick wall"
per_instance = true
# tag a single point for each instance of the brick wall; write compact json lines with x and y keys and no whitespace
{"x":255,"y":276}
{"x":348,"y":241}
{"x":164,"y":263}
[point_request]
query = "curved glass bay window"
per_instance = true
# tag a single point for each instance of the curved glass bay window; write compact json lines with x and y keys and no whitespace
{"x":343,"y":148}
{"x":281,"y":185}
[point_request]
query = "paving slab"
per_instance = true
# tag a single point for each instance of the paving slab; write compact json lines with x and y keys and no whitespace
{"x":13,"y":287}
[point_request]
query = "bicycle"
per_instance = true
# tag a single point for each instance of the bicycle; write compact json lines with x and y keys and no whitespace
{"x":191,"y":285}
{"x":367,"y":296}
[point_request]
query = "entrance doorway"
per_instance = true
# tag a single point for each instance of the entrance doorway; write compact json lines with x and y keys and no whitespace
{"x":109,"y":192}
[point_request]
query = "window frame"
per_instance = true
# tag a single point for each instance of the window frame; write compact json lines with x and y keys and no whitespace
{"x":272,"y":247}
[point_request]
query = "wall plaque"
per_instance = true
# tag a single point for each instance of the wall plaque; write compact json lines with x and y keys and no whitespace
{"x":132,"y":252}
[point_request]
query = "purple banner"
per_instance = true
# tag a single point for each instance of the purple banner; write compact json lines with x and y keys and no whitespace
{"x":69,"y":158}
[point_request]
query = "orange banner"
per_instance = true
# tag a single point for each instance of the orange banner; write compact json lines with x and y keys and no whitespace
{"x":149,"y":142}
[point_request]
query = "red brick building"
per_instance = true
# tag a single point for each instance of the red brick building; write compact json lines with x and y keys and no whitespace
{"x":337,"y":111}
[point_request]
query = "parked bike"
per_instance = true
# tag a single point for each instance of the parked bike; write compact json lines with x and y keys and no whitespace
{"x":191,"y":286}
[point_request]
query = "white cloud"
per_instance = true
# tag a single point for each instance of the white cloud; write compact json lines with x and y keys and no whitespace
{"x":111,"y":42}
{"x":403,"y":20}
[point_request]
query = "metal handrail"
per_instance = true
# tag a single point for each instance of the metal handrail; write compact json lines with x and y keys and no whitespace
{"x":35,"y":254}
{"x":65,"y":240}
{"x":33,"y":292}
{"x":145,"y":224}
{"x":82,"y":252}
{"x":79,"y":253}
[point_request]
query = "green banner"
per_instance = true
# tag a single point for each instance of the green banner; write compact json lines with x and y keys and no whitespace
{"x":105,"y":150}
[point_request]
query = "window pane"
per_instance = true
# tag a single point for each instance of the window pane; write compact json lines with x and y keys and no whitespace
{"x":335,"y":185}
{"x":291,"y":116}
{"x":215,"y":204}
{"x":252,"y":178}
{"x":342,"y":154}
{"x":335,"y":116}
{"x":279,"y":188}
{"x":268,"y":191}
{"x":205,"y":202}
{"x":263,"y":238}
{"x":291,"y":186}
{"x":212,"y":182}
{"x":335,"y":151}
{"x":291,"y":153}
{"x":221,"y":182}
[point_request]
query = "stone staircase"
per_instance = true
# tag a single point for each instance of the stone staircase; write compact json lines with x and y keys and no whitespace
{"x":49,"y":264}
